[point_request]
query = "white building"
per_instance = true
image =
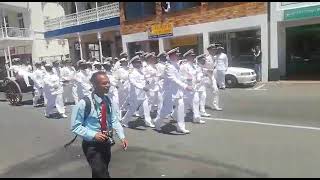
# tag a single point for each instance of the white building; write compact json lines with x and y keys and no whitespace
{"x":92,"y":29}
{"x":295,"y":37}
{"x":22,"y":32}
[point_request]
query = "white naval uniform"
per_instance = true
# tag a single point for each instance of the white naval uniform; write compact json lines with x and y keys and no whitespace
{"x":160,"y":75}
{"x":137,"y":97}
{"x":37,"y":77}
{"x":113,"y":94}
{"x":208,"y":68}
{"x":122,"y":77}
{"x":173,"y":87}
{"x":67,"y":77}
{"x":152,"y":76}
{"x":203,"y":79}
{"x":23,"y":72}
{"x":83,"y":84}
{"x":221,"y":63}
{"x":188,"y":71}
{"x":53,"y":91}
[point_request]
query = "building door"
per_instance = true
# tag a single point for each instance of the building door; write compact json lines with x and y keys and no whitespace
{"x":303,"y":52}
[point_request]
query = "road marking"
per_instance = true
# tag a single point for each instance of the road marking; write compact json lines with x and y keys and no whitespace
{"x":259,"y":87}
{"x":261,"y":123}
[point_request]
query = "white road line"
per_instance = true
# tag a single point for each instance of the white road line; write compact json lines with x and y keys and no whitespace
{"x":259,"y":87}
{"x":261,"y":123}
{"x":256,"y":89}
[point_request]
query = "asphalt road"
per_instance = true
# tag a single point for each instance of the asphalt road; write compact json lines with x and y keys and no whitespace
{"x":271,"y":130}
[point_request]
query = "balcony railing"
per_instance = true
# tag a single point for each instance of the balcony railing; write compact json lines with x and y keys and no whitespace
{"x":104,"y":12}
{"x":15,"y":32}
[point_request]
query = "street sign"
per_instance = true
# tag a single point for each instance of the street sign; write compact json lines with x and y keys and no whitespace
{"x":302,"y":13}
{"x":160,"y":30}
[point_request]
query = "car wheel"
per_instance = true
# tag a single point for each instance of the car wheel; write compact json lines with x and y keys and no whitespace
{"x":231,"y":81}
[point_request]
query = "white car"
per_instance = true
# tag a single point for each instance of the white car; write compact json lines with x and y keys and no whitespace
{"x":238,"y":75}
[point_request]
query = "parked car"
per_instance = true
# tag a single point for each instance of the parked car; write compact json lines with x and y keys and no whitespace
{"x":238,"y":75}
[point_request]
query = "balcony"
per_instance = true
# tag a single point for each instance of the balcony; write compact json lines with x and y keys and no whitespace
{"x":106,"y":12}
{"x":14,"y":36}
{"x":15,"y":33}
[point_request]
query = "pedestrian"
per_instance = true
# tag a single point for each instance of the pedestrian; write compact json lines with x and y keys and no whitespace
{"x":203,"y":78}
{"x":209,"y":68}
{"x":153,"y":77}
{"x":221,"y":61}
{"x":173,"y":93}
{"x":257,"y":60}
{"x":161,"y":66}
{"x":68,"y":79}
{"x":97,"y":128}
{"x":53,"y":91}
{"x":113,"y":93}
{"x":82,"y":79}
{"x":122,"y":77}
{"x":189,"y":73}
{"x":137,"y":94}
{"x":37,"y":77}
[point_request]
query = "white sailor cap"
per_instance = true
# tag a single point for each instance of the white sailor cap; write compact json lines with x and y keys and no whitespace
{"x":123,"y":60}
{"x":107,"y":63}
{"x":108,"y":58}
{"x":135,"y":58}
{"x":201,"y":56}
{"x":139,"y":53}
{"x":148,"y":55}
{"x":211,"y":46}
{"x":123,"y":54}
{"x":190,"y":52}
{"x":162,"y":54}
{"x":81,"y":62}
{"x":48,"y":65}
{"x":174,"y":50}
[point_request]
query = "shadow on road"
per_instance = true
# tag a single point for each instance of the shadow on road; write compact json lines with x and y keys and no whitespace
{"x":135,"y":162}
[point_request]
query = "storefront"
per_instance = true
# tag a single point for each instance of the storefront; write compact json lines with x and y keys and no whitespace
{"x":298,"y":48}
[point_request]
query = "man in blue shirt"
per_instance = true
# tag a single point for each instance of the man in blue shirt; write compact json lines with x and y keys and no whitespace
{"x":95,"y":129}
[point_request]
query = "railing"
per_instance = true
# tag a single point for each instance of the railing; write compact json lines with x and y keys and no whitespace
{"x":15,"y":32}
{"x":104,"y":12}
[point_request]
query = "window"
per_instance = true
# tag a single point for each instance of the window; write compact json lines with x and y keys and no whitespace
{"x":6,"y":21}
{"x":136,"y":10}
{"x":179,"y":6}
{"x":94,"y":51}
{"x":73,"y":8}
{"x":20,"y":20}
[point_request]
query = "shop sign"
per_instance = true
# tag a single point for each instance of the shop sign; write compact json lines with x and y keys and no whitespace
{"x":302,"y":13}
{"x":184,"y":41}
{"x":160,"y":30}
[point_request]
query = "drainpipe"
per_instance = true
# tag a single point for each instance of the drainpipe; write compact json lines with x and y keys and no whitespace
{"x":77,"y":12}
{"x":97,"y":11}
{"x":100,"y":46}
{"x":268,"y":24}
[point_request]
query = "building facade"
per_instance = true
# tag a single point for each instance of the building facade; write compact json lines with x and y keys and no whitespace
{"x":239,"y":26}
{"x":91,"y":28}
{"x":294,"y":48}
{"x":22,"y":32}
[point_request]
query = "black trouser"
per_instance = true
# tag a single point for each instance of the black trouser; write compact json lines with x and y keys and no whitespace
{"x":98,"y":156}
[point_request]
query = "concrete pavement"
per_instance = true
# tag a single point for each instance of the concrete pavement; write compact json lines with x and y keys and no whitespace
{"x":32,"y":146}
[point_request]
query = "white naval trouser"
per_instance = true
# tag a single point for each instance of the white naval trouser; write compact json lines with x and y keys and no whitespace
{"x":114,"y":97}
{"x":37,"y":94}
{"x":55,"y":100}
{"x":221,"y":78}
{"x":166,"y":109}
{"x":192,"y":101}
{"x":134,"y":105}
{"x":68,"y":93}
{"x":75,"y":93}
{"x":214,"y":92}
{"x":202,"y":100}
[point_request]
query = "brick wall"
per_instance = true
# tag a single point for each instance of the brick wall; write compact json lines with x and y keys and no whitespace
{"x":207,"y":12}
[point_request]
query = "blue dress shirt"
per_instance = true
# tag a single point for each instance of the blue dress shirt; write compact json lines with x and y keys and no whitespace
{"x":87,"y":128}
